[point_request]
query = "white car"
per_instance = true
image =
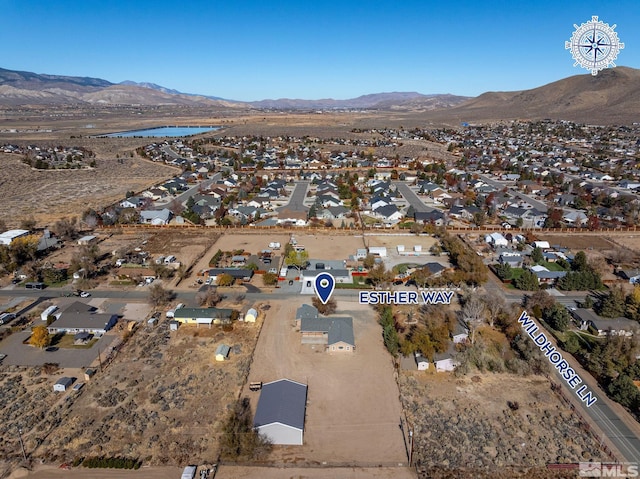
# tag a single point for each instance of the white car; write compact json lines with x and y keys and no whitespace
{"x":85,"y":294}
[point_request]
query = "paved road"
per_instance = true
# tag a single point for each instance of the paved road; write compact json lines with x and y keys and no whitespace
{"x":296,"y":200}
{"x":539,"y":205}
{"x":411,"y":197}
{"x":609,"y":417}
{"x":182,"y":198}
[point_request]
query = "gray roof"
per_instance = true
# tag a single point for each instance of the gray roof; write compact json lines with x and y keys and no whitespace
{"x":306,"y":311}
{"x":341,"y":330}
{"x":223,"y":349}
{"x":79,"y":315}
{"x":65,"y":381}
{"x":338,"y":328}
{"x":283,"y":401}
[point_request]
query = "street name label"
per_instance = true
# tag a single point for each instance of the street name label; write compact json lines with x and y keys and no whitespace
{"x":555,"y":358}
{"x":405,"y":297}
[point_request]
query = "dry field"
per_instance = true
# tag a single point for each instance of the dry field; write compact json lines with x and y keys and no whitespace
{"x":631,"y":241}
{"x":407,"y":240}
{"x":466,"y":422}
{"x":164,"y":407}
{"x":577,"y":242}
{"x":47,"y":195}
{"x":353,"y":412}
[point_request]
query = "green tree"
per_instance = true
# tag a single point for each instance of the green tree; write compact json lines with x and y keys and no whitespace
{"x":503,"y":270}
{"x":527,"y":281}
{"x":39,"y":337}
{"x":623,"y":390}
{"x":297,"y":259}
{"x":613,"y":304}
{"x":579,"y":262}
{"x":536,"y":255}
{"x":557,"y":317}
{"x":225,"y":279}
{"x":270,"y":279}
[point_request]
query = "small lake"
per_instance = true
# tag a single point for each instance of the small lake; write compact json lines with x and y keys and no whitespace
{"x":163,"y":131}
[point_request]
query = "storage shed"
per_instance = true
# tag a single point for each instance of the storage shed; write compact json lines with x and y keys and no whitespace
{"x":62,"y":384}
{"x":222,"y":352}
{"x":251,"y":315}
{"x":281,"y":411}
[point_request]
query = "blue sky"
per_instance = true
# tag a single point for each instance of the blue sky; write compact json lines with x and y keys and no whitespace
{"x":254,"y":50}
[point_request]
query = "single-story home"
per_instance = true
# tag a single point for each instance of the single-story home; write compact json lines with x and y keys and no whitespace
{"x":334,"y":332}
{"x":281,"y":412}
{"x":202,"y":315}
{"x":155,"y":217}
{"x":241,"y":274}
{"x":62,"y":384}
{"x":605,"y":327}
{"x":308,"y":278}
{"x":86,"y":240}
{"x":79,"y":317}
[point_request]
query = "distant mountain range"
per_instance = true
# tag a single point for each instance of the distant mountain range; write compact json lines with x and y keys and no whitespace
{"x":26,"y":88}
{"x":613,"y":96}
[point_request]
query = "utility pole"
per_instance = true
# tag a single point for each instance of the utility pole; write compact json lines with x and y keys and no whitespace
{"x":100,"y":359}
{"x":24,"y":454}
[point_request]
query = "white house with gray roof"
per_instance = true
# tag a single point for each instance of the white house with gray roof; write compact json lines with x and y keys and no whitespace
{"x":281,"y":412}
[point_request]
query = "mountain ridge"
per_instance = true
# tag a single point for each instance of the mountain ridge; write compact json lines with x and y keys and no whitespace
{"x":612,"y":96}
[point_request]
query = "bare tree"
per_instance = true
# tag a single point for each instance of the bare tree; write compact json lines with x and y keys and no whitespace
{"x":159,"y":296}
{"x":208,"y":298}
{"x":494,"y":304}
{"x":473,"y":313}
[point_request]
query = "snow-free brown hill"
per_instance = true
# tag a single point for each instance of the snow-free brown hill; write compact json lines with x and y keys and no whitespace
{"x":612,"y":96}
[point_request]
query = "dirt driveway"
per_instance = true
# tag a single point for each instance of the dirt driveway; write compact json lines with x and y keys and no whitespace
{"x":353,"y":409}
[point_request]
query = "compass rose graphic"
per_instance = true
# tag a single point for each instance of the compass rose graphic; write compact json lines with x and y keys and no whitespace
{"x":594,"y":45}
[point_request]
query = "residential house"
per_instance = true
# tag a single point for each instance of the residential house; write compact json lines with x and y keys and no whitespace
{"x":155,"y":217}
{"x":336,"y":333}
{"x":199,"y":316}
{"x":434,"y":217}
{"x":633,"y":275}
{"x":80,"y":317}
{"x":586,"y":318}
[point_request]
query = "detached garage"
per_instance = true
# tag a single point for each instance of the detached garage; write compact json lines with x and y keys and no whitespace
{"x":281,"y":411}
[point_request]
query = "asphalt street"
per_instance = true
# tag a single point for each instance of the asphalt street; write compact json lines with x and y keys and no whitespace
{"x":411,"y":197}
{"x":539,"y":205}
{"x":296,"y":200}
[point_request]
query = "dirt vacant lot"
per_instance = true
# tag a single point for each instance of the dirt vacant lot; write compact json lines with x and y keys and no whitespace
{"x":52,"y":194}
{"x":467,"y":422}
{"x":353,"y":412}
{"x":577,"y":242}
